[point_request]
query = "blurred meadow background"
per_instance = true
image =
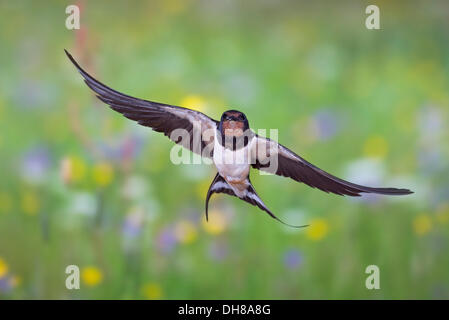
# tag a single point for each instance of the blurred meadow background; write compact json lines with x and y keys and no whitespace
{"x":81,"y":185}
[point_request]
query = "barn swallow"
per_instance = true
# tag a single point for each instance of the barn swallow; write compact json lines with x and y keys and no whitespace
{"x":230,"y":143}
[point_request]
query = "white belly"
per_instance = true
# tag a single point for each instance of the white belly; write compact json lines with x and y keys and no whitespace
{"x":232,"y":165}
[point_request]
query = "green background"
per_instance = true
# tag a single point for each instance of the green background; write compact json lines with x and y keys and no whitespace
{"x":81,"y":185}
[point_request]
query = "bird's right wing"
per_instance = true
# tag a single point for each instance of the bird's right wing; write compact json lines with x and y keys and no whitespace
{"x":272,"y":157}
{"x":191,"y":129}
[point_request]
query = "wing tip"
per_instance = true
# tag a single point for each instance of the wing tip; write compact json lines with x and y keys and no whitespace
{"x":80,"y":70}
{"x":393,"y":191}
{"x":297,"y":227}
{"x":70,"y":56}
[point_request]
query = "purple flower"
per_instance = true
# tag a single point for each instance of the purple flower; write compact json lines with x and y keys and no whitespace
{"x":166,"y":240}
{"x":132,"y":226}
{"x":292,"y":259}
{"x":130,"y":230}
{"x":325,"y":124}
{"x":5,"y":285}
{"x":35,"y":164}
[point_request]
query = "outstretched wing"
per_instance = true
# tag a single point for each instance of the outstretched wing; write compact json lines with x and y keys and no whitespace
{"x":191,"y":129}
{"x":274,"y":158}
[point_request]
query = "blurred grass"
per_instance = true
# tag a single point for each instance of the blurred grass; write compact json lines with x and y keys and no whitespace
{"x":82,"y":185}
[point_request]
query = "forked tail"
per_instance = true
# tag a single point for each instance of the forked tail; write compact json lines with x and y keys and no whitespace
{"x":219,"y":185}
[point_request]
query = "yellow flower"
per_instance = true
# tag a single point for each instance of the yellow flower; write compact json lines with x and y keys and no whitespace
{"x":73,"y":169}
{"x":193,"y":102}
{"x":217,"y":222}
{"x":152,"y":291}
{"x":185,"y":232}
{"x":317,"y":230}
{"x":422,"y":224}
{"x":3,"y":268}
{"x":103,"y":174}
{"x":91,"y":276}
{"x":375,"y":146}
{"x":30,"y":203}
{"x":5,"y":202}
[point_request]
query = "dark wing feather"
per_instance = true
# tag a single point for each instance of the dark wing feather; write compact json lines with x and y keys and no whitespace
{"x":274,"y":158}
{"x":196,"y":126}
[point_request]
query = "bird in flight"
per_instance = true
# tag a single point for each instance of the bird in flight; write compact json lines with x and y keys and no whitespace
{"x":230,"y":144}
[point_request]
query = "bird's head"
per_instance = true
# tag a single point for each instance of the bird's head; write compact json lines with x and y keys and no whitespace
{"x":233,"y":123}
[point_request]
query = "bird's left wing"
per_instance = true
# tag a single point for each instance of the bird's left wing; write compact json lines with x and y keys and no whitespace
{"x":272,"y":157}
{"x":191,"y":129}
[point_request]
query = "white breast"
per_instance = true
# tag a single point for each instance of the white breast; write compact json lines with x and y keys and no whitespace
{"x":232,"y":165}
